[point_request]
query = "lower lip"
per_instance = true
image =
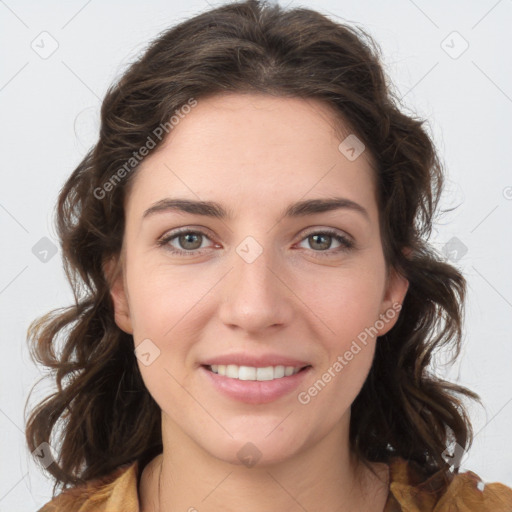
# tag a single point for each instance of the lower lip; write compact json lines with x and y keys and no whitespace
{"x":255,"y":391}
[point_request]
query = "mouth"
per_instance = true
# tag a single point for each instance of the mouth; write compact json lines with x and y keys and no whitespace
{"x":251,"y":373}
{"x":253,"y":385}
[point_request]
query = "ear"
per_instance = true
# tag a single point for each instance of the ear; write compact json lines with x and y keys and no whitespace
{"x":396,"y":289}
{"x":114,"y":275}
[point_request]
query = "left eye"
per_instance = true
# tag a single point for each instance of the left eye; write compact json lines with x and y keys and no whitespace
{"x":319,"y":237}
{"x":191,"y":241}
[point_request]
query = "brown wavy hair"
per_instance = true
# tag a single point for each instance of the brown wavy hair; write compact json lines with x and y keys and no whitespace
{"x":101,"y":415}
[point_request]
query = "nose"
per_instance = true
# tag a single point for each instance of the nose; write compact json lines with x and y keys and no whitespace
{"x":255,"y":293}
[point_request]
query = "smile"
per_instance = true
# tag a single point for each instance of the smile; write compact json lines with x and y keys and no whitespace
{"x":264,"y":385}
{"x":234,"y":371}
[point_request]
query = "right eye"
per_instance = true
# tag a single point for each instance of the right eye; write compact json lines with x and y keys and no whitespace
{"x":187,"y":238}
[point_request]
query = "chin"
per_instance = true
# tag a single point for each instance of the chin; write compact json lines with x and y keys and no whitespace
{"x":253,"y":450}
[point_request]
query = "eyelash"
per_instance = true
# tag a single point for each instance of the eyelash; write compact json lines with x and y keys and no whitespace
{"x":346,"y":243}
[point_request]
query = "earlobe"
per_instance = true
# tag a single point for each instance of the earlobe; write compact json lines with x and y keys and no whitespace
{"x":114,"y":276}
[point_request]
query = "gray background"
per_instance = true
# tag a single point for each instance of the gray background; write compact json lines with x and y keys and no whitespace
{"x":50,"y":110}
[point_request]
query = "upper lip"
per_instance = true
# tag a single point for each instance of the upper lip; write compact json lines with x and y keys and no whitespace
{"x":259,"y":361}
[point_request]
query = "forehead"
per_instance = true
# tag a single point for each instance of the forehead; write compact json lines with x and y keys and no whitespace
{"x":254,"y":149}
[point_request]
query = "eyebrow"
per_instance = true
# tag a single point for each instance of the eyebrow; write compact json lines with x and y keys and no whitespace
{"x":216,"y":210}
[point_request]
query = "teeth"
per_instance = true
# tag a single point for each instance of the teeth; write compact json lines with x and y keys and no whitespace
{"x":252,"y":373}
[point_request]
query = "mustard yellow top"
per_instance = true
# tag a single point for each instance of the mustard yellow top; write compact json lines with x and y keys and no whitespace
{"x":408,"y":492}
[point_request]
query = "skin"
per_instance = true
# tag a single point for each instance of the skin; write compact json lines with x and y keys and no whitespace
{"x":255,"y":154}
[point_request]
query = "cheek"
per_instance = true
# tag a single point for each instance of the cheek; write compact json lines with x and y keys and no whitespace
{"x":158,"y":311}
{"x":161,"y":297}
{"x":349,"y":301}
{"x":161,"y":313}
{"x":349,"y":309}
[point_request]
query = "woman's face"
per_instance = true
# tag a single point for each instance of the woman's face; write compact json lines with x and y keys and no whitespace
{"x":256,"y":282}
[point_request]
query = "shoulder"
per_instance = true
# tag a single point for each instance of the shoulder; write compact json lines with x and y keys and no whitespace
{"x":444,"y":491}
{"x":111,"y":493}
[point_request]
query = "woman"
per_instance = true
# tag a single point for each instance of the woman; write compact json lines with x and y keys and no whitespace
{"x":260,"y":303}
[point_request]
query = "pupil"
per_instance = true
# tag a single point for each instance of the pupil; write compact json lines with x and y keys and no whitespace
{"x":325,"y":245}
{"x":185,"y":239}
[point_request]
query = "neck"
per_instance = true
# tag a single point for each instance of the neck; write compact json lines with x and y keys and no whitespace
{"x":185,"y":477}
